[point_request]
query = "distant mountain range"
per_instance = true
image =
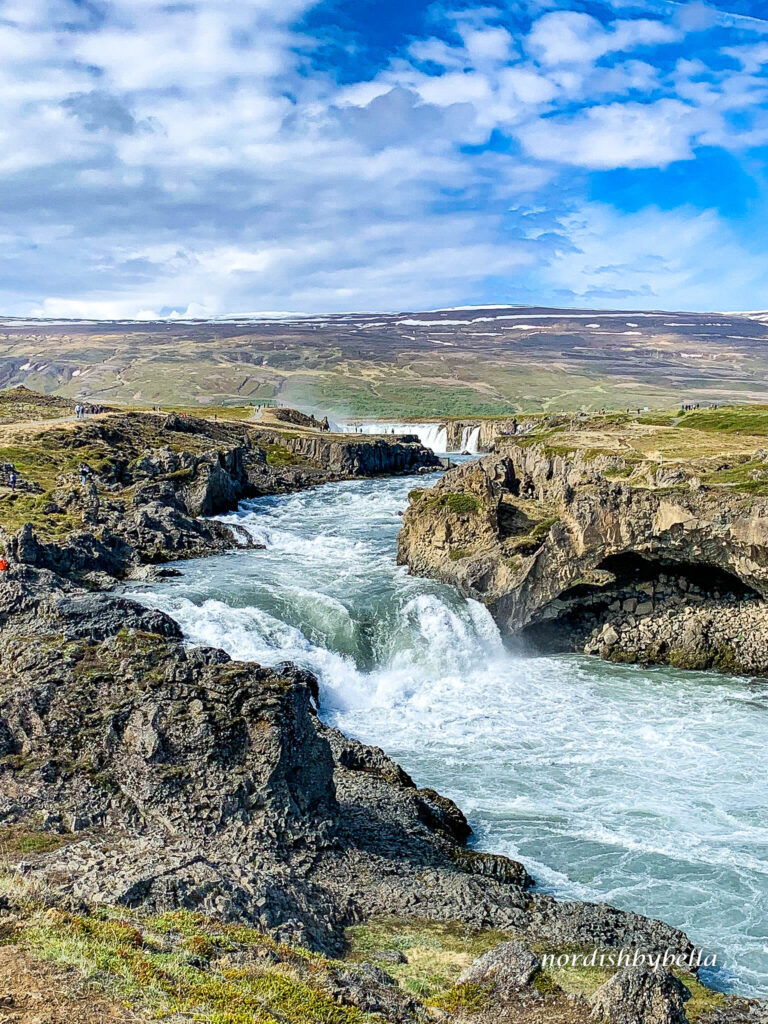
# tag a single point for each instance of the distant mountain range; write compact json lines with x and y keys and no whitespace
{"x":463,"y":361}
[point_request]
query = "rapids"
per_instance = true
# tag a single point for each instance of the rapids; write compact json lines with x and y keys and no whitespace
{"x":643,"y":788}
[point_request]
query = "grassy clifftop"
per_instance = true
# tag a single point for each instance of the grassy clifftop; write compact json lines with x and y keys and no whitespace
{"x":183,"y":967}
{"x":725,"y":447}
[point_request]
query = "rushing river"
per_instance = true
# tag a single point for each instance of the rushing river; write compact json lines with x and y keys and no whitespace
{"x":644,"y":788}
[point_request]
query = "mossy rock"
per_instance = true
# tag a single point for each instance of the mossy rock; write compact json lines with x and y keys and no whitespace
{"x":455,"y":502}
{"x":458,"y":554}
{"x":279,"y":455}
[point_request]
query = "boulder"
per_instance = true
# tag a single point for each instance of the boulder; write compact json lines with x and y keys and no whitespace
{"x":372,"y":990}
{"x":639,"y":995}
{"x":506,"y":969}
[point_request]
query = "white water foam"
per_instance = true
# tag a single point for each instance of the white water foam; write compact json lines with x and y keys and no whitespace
{"x":639,"y":787}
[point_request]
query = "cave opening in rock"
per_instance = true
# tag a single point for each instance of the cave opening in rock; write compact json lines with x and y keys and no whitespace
{"x":627,"y":584}
{"x":631,"y":569}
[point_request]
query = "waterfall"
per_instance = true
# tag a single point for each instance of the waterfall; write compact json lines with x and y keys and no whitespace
{"x":470,"y":440}
{"x":473,"y":442}
{"x":431,"y":435}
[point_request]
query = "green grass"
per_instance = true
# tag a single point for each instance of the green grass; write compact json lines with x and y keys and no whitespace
{"x":750,"y":476}
{"x":279,"y":455}
{"x":45,"y":456}
{"x":390,"y":397}
{"x":733,"y":419}
{"x":704,"y":1001}
{"x":457,"y":554}
{"x":18,"y":509}
{"x":437,"y":952}
{"x":183,"y":963}
{"x":455,"y":502}
{"x":15,"y":839}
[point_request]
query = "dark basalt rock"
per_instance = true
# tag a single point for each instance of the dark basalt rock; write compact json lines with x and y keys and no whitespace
{"x":374,"y":991}
{"x":79,"y":554}
{"x":505,"y":970}
{"x":181,"y":778}
{"x":150,"y":507}
{"x":639,"y":995}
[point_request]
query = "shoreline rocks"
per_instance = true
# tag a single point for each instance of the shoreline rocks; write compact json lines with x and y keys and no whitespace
{"x":177,"y":777}
{"x":157,"y":479}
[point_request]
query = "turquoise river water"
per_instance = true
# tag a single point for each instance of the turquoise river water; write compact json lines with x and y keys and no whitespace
{"x":643,"y":788}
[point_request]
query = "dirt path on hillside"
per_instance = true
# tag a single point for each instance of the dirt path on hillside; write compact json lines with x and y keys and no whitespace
{"x":10,"y":430}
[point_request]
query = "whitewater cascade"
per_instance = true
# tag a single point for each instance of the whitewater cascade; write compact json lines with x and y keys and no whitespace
{"x":577,"y":767}
{"x":470,"y":440}
{"x":431,"y":435}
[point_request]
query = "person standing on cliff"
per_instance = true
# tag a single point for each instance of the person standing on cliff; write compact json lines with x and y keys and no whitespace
{"x":12,"y":479}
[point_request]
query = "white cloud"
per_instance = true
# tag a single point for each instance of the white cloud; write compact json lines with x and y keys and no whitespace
{"x":488,"y":44}
{"x":570,"y":37}
{"x":680,"y":259}
{"x":527,"y":86}
{"x":617,"y":135}
{"x":167,"y":154}
{"x":752,"y":57}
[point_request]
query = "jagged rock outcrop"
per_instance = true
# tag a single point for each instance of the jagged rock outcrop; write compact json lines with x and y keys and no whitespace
{"x":152,"y":481}
{"x":177,"y":777}
{"x":639,"y":995}
{"x":347,"y":456}
{"x":505,"y":970}
{"x":562,"y":551}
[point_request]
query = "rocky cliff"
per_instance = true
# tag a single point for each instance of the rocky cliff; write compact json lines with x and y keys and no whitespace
{"x":177,"y":778}
{"x":150,"y":481}
{"x":483,"y":431}
{"x":570,"y":553}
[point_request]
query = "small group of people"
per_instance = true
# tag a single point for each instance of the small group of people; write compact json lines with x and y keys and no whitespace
{"x":81,"y":411}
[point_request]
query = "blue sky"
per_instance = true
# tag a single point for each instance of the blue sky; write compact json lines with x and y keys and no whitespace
{"x":204,"y":157}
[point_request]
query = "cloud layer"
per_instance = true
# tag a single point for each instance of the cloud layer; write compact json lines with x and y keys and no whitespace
{"x":208,"y":157}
